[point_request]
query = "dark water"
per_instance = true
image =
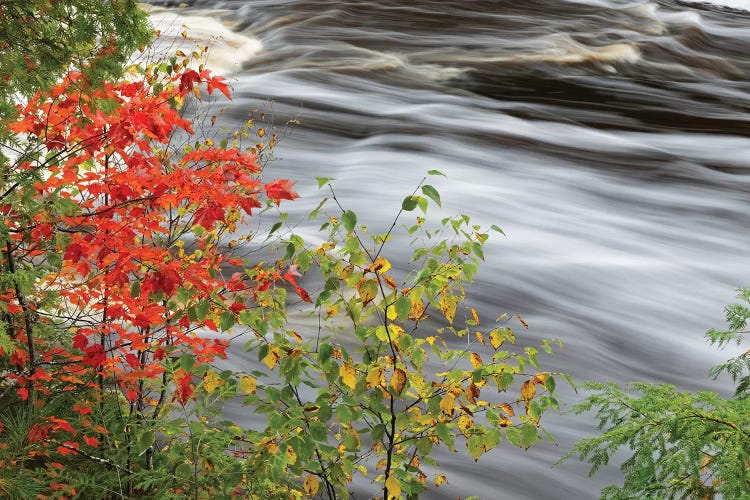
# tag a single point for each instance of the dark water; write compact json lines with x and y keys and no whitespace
{"x":609,"y":139}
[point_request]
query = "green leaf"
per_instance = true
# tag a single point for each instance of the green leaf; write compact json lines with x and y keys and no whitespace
{"x":315,"y":212}
{"x":325,"y":352}
{"x":475,"y":446}
{"x":183,"y":294}
{"x":431,"y":193}
{"x":478,"y":250}
{"x":318,"y":431}
{"x":304,"y":259}
{"x":322,"y":181}
{"x":187,"y":361}
{"x":202,"y":308}
{"x":377,"y":432}
{"x":403,"y":307}
{"x":344,"y":414}
{"x":435,"y":172}
{"x":550,"y":384}
{"x":529,"y":435}
{"x":445,"y":435}
{"x":184,"y":471}
{"x":135,"y":289}
{"x":226,"y":320}
{"x":274,"y":228}
{"x":409,"y":203}
{"x":145,"y":440}
{"x":350,"y":220}
{"x":513,"y":435}
{"x":492,"y":438}
{"x":495,"y":228}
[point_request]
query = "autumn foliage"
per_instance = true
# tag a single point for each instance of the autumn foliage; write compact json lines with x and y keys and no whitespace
{"x":126,"y":273}
{"x":110,"y":247}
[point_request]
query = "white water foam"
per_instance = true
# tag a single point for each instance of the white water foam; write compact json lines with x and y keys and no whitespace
{"x":732,"y":4}
{"x":228,"y":50}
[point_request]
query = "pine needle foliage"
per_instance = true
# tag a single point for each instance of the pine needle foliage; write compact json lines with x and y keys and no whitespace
{"x":40,"y":39}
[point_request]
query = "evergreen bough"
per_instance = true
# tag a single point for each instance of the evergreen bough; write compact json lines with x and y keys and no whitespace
{"x":682,"y":444}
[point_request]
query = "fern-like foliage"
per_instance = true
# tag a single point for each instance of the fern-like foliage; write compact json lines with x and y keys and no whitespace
{"x":683,"y":445}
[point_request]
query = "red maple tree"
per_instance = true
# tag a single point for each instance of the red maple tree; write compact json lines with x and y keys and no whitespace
{"x":120,"y":230}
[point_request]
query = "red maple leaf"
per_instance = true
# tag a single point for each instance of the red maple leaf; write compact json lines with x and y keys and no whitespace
{"x":209,"y":214}
{"x":281,"y":189}
{"x":218,"y":83}
{"x":188,"y":80}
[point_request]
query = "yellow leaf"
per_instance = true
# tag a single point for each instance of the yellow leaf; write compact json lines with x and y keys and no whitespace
{"x":395,"y":331}
{"x":528,"y":389}
{"x":448,"y":403}
{"x":381,"y":265}
{"x":381,"y":464}
{"x":476,"y":360}
{"x":540,"y":378}
{"x":448,"y":304}
{"x":332,"y":310}
{"x":507,"y":408}
{"x":464,"y":424}
{"x":273,"y":357}
{"x":391,"y":313}
{"x":417,"y":310}
{"x":495,"y":339}
{"x":440,"y":479}
{"x":479,"y":337}
{"x":398,"y":380}
{"x":248,"y":384}
{"x":474,"y":315}
{"x":348,"y":375}
{"x":505,"y":422}
{"x":211,"y":381}
{"x":291,"y":456}
{"x":272,"y":447}
{"x":374,"y":377}
{"x":394,"y":487}
{"x":311,"y":485}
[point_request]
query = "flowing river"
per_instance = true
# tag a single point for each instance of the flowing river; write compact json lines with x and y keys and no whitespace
{"x":610,"y":139}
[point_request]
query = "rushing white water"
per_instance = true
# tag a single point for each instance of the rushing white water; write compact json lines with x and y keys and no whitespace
{"x":228,"y":50}
{"x":609,"y":138}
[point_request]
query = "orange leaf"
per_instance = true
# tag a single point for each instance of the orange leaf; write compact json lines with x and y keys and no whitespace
{"x":472,"y":393}
{"x":476,"y":360}
{"x":507,"y":408}
{"x":528,"y":389}
{"x":398,"y":380}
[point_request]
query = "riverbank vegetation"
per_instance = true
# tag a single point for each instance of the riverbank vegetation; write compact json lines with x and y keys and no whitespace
{"x":681,"y":444}
{"x":129,"y":273}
